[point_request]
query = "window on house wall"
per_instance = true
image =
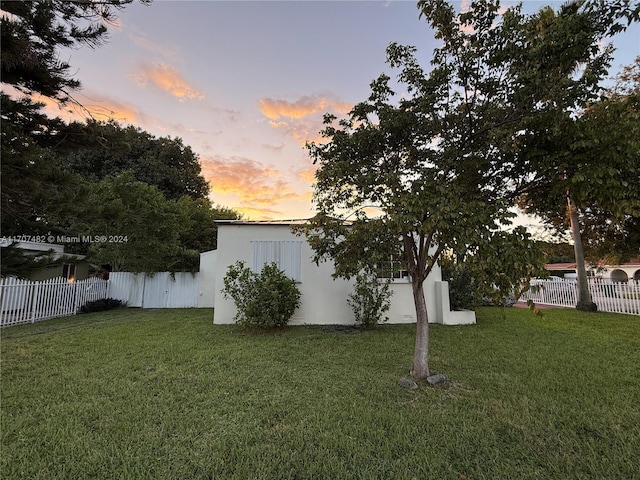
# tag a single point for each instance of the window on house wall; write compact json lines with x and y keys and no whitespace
{"x":69,"y":271}
{"x":286,"y":254}
{"x":393,"y":269}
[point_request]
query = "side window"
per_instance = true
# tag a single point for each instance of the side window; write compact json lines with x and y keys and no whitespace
{"x":69,"y":271}
{"x":393,"y":269}
{"x":284,"y":253}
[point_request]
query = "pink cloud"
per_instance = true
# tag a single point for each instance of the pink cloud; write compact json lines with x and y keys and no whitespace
{"x":168,"y":79}
{"x":302,"y":119}
{"x":303,"y":107}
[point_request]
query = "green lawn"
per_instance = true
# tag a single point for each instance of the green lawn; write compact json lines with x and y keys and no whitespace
{"x":166,"y":394}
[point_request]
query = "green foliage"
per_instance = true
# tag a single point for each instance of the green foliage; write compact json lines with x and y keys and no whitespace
{"x":34,"y":188}
{"x":96,"y":150}
{"x":102,"y":305}
{"x":266,"y":299}
{"x":198,"y":230}
{"x":495,"y":271}
{"x":463,"y":287}
{"x":40,"y":196}
{"x":138,"y":225}
{"x":557,"y":252}
{"x":33,"y":32}
{"x":443,"y":154}
{"x":370,"y":299}
{"x":504,"y":264}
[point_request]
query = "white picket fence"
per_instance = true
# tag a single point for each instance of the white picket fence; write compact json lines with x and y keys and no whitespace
{"x":23,"y":301}
{"x":607,"y":295}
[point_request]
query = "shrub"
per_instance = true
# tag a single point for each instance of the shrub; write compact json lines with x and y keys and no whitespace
{"x":101,"y":305}
{"x":370,"y":299}
{"x":466,"y":291}
{"x":463,"y":287}
{"x":267,"y":299}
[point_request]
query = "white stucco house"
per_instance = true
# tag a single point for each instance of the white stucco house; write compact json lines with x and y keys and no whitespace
{"x":323,"y":299}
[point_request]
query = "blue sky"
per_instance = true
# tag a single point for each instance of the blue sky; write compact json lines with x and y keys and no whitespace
{"x":245,"y":84}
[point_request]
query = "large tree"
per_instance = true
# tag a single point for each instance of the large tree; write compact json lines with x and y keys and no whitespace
{"x":32,"y":34}
{"x":96,"y":150}
{"x":432,"y":159}
{"x":131,"y":226}
{"x":441,"y":158}
{"x":583,"y":167}
{"x":94,"y":178}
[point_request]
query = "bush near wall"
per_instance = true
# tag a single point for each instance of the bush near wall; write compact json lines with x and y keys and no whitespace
{"x":267,"y":299}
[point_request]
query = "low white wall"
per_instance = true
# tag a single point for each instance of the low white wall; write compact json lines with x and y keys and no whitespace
{"x":445,"y":315}
{"x":324,"y":300}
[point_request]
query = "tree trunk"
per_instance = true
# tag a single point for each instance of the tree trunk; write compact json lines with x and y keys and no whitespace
{"x":584,"y":296}
{"x":421,"y":351}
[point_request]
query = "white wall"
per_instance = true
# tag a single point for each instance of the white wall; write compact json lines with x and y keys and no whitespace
{"x":207,"y":279}
{"x":323,"y":300}
{"x":158,"y":290}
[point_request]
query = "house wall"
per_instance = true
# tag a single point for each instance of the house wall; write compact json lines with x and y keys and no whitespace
{"x":82,"y":272}
{"x":324,"y":300}
{"x":207,"y":279}
{"x":57,"y":251}
{"x":621,"y":273}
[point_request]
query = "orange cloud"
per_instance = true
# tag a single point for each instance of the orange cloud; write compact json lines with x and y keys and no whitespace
{"x":168,"y":79}
{"x":308,"y":175}
{"x":303,"y":118}
{"x":303,"y":107}
{"x":303,"y":130}
{"x":250,"y":213}
{"x":249,"y":180}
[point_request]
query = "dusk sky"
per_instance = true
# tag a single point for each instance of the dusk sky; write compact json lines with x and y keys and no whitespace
{"x":245,"y":84}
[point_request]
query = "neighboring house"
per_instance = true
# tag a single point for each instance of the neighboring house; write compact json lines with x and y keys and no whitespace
{"x":323,"y":300}
{"x":615,"y":273}
{"x":74,"y":268}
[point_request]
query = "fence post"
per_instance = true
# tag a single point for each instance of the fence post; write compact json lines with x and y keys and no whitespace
{"x":75,"y":297}
{"x":34,"y":301}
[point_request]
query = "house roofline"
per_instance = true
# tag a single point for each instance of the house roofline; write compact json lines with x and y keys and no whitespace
{"x":294,"y":221}
{"x":297,"y":221}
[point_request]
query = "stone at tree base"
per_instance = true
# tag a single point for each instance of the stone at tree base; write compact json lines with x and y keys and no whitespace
{"x":406,"y":383}
{"x":436,"y":379}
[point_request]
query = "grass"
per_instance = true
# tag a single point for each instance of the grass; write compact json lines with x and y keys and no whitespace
{"x":166,"y":394}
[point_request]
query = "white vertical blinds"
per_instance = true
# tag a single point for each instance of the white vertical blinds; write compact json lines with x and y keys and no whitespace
{"x":284,"y":253}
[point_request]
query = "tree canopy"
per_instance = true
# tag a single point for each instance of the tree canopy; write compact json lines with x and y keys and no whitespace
{"x":95,"y":150}
{"x":439,"y":154}
{"x":33,"y":186}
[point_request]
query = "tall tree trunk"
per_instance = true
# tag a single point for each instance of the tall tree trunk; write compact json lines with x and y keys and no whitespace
{"x":584,"y":296}
{"x":421,"y":351}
